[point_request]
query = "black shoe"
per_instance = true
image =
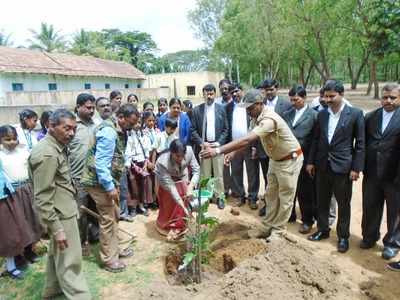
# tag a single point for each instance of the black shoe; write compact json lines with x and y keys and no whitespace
{"x":319,"y":235}
{"x":343,"y":245}
{"x":364,"y":244}
{"x":241,"y":202}
{"x":394,"y":266}
{"x":253,"y":204}
{"x":389,"y":252}
{"x":220,"y":203}
{"x":305,"y":228}
{"x":263,"y":211}
{"x":31,"y":256}
{"x":142,"y":211}
{"x":21,"y":262}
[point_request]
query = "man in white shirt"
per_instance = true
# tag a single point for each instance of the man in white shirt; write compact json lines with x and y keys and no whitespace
{"x":210,"y":129}
{"x":336,"y":159}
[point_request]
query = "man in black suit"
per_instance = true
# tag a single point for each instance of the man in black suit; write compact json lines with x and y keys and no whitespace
{"x":210,"y":129}
{"x":301,"y":119}
{"x":336,"y":157}
{"x":269,"y":89}
{"x":381,"y":175}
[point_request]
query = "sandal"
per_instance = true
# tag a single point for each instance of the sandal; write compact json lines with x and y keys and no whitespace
{"x":16,"y":274}
{"x":128,"y":252}
{"x":115,"y":266}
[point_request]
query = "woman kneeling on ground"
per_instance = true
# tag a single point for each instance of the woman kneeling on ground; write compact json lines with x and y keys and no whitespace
{"x":175,"y":188}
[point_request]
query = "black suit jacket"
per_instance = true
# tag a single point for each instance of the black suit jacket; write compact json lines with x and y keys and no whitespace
{"x":382,"y":148}
{"x":303,"y":130}
{"x":221,"y":125}
{"x":346,"y":152}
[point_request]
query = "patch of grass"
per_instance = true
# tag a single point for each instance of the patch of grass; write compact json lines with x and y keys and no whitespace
{"x":97,"y":278}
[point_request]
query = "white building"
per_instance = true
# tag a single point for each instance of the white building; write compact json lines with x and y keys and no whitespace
{"x":186,"y":85}
{"x":23,"y":70}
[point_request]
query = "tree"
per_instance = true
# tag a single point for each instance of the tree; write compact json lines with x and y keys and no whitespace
{"x":47,"y":39}
{"x":205,"y":20}
{"x":5,"y":39}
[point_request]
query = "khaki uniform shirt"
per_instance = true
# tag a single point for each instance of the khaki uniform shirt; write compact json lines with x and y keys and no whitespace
{"x":276,"y":137}
{"x":52,"y":186}
{"x":79,"y":147}
{"x":168,"y":172}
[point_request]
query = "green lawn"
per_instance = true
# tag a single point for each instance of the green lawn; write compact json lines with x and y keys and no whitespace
{"x":31,"y":286}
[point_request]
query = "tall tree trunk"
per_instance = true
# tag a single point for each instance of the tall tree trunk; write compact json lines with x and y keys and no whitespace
{"x":237,"y":73}
{"x":373,"y":80}
{"x":301,"y":73}
{"x":351,"y":73}
{"x":309,"y":72}
{"x":355,"y":78}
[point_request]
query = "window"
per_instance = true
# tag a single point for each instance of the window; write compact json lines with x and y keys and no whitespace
{"x":139,"y":85}
{"x":107,"y":86}
{"x":126,"y":85}
{"x":191,"y":90}
{"x":17,"y":87}
{"x":52,"y":86}
{"x":88,"y":86}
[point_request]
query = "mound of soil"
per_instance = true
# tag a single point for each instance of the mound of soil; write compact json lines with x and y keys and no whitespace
{"x":282,"y":269}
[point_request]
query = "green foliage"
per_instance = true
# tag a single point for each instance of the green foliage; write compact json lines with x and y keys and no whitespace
{"x":47,"y":39}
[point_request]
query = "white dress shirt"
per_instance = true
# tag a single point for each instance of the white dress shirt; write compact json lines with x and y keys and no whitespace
{"x":272,"y":103}
{"x":239,"y":122}
{"x":210,"y":122}
{"x":333,"y":121}
{"x":15,"y":163}
{"x":386,"y":117}
{"x":315,"y":103}
{"x":299,"y":113}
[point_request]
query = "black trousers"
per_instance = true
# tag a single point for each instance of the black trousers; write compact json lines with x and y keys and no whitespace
{"x":240,"y":158}
{"x":254,"y":175}
{"x":328,"y":183}
{"x":306,"y":195}
{"x":375,"y":194}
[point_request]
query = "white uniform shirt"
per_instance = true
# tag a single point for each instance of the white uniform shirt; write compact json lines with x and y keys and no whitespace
{"x":15,"y":163}
{"x":26,"y":138}
{"x":272,"y":103}
{"x":333,"y":121}
{"x":210,"y":122}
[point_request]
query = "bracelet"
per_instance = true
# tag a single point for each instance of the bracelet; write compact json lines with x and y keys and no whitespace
{"x":218,"y":151}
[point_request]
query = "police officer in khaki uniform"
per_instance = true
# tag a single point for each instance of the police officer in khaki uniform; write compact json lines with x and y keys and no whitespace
{"x":55,"y":202}
{"x":285,"y":155}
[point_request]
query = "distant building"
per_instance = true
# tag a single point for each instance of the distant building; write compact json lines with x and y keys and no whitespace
{"x":23,"y":70}
{"x":186,"y":85}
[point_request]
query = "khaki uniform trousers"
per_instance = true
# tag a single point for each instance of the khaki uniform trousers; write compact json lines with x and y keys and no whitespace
{"x":109,"y":217}
{"x":214,"y":167}
{"x":64,"y":268}
{"x":281,"y":189}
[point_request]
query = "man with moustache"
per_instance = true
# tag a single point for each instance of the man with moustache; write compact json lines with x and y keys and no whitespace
{"x":79,"y":147}
{"x":336,"y":159}
{"x":101,"y":177}
{"x":54,"y":199}
{"x":381,"y":175}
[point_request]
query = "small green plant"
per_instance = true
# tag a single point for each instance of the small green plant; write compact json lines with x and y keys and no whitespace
{"x":198,"y":236}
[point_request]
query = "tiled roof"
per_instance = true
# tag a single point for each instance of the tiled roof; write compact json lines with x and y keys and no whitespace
{"x":13,"y":60}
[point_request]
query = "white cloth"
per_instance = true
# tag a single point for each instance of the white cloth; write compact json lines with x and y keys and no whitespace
{"x":26,"y":138}
{"x":299,"y":113}
{"x":333,"y":121}
{"x":164,"y":141}
{"x":134,"y":151}
{"x":272,"y":103}
{"x":239,"y":122}
{"x":386,"y":117}
{"x":315,"y":103}
{"x":15,"y":163}
{"x":210,"y":122}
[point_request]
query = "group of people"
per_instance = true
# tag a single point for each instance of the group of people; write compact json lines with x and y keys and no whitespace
{"x":114,"y":161}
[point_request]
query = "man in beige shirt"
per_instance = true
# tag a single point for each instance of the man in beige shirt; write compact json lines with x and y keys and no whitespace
{"x":285,"y":155}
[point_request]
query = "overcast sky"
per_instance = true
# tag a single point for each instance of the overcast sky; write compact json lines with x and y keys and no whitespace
{"x":165,"y":20}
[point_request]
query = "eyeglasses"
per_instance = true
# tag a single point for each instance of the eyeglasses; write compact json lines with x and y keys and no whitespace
{"x":392,"y":98}
{"x":104,"y":105}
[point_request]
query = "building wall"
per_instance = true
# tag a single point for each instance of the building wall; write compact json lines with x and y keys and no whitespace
{"x":40,"y":83}
{"x":178,"y":82}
